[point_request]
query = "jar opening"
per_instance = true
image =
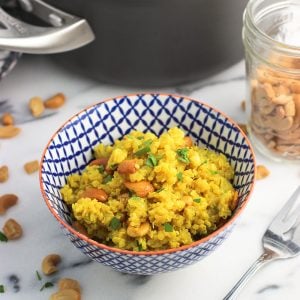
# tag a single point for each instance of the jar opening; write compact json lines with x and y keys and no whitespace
{"x":277,"y":22}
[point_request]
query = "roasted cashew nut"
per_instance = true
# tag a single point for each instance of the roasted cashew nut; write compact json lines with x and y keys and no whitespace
{"x":141,"y":188}
{"x":49,"y":263}
{"x":7,"y":201}
{"x":128,"y":166}
{"x":67,"y":294}
{"x":12,"y":229}
{"x":68,"y":283}
{"x":4,"y":173}
{"x":138,"y":231}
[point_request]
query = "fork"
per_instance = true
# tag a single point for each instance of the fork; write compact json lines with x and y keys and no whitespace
{"x":281,"y":240}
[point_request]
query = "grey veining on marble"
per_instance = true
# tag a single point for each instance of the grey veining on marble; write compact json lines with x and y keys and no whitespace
{"x":209,"y":279}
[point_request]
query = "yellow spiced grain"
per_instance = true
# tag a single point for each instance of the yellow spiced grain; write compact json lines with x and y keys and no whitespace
{"x":189,"y":192}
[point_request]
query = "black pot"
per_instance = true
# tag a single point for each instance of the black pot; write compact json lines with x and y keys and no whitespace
{"x":156,"y":42}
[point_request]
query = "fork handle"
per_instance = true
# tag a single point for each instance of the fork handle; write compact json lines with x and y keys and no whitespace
{"x":266,"y":257}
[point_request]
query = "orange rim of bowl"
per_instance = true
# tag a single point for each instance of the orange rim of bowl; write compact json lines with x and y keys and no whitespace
{"x":158,"y":252}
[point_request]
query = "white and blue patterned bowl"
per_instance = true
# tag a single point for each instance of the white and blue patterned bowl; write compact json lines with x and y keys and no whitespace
{"x":70,"y":150}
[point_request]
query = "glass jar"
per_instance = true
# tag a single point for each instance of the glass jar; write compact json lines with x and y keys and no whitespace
{"x":271,"y":37}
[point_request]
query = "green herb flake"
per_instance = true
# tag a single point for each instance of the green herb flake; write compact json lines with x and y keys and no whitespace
{"x":107,"y":179}
{"x":38,"y":275}
{"x":115,"y":223}
{"x":2,"y":288}
{"x":159,"y":190}
{"x":113,"y":167}
{"x":142,"y":151}
{"x":3,"y":237}
{"x":130,"y":193}
{"x":135,"y":198}
{"x":139,"y":245}
{"x":205,"y":162}
{"x":129,"y":136}
{"x":151,"y":160}
{"x":168,"y":227}
{"x":197,"y":200}
{"x":145,"y":148}
{"x":140,"y":137}
{"x":147,"y":143}
{"x":101,"y":169}
{"x":182,"y":155}
{"x":179,"y":176}
{"x":213,"y":172}
{"x":47,"y":284}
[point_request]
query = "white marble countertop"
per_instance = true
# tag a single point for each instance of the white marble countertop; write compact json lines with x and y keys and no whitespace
{"x":209,"y":279}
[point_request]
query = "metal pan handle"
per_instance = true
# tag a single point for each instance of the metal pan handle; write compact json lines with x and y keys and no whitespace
{"x":67,"y":32}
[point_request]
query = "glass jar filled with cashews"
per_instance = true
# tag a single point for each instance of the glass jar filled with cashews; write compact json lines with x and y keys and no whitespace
{"x":271,"y":37}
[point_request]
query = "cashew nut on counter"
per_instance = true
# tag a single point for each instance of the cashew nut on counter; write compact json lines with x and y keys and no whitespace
{"x":49,"y":263}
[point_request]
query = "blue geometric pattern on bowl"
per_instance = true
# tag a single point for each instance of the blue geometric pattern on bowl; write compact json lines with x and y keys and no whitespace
{"x":70,"y":150}
{"x":7,"y":62}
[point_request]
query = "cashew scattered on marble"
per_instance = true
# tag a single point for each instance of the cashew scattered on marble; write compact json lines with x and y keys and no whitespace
{"x":4,"y":173}
{"x":69,"y":283}
{"x":67,"y":294}
{"x":49,"y":263}
{"x":55,"y":101}
{"x":31,"y":166}
{"x":10,"y":131}
{"x":12,"y":229}
{"x":36,"y":106}
{"x":7,"y":119}
{"x":261,"y":172}
{"x":7,"y":201}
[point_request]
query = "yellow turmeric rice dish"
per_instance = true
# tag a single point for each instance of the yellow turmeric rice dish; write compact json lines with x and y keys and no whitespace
{"x":148,"y":193}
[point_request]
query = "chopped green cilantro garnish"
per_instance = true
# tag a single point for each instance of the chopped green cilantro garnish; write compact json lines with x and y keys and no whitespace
{"x":115,"y":223}
{"x":145,"y":148}
{"x":151,"y":160}
{"x":135,"y":198}
{"x":113,"y":166}
{"x":168,"y":227}
{"x":46,"y":285}
{"x":107,"y":179}
{"x":101,"y":169}
{"x":142,"y":151}
{"x":38,"y":275}
{"x":3,"y":237}
{"x":147,"y":143}
{"x":212,"y":172}
{"x":197,"y":200}
{"x":2,"y":288}
{"x":182,"y":155}
{"x":140,"y":247}
{"x":179,"y":176}
{"x":159,"y":190}
{"x":203,"y":163}
{"x":140,"y":137}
